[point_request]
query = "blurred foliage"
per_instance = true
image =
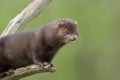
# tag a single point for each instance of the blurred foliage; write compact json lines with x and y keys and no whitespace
{"x":95,"y":55}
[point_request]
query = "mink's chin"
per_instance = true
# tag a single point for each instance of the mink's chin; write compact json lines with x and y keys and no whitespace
{"x":70,"y":40}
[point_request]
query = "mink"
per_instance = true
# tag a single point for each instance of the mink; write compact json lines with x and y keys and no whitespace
{"x":37,"y":46}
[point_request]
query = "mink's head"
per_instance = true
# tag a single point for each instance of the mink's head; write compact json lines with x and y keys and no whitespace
{"x":67,"y":30}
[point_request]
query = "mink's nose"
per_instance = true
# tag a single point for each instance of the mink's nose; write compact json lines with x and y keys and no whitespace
{"x":74,"y":38}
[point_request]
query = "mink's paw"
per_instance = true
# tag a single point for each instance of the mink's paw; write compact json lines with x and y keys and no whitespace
{"x":47,"y":65}
{"x":10,"y":71}
{"x":41,"y":65}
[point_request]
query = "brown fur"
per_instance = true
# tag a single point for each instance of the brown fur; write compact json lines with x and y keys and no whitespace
{"x":37,"y":46}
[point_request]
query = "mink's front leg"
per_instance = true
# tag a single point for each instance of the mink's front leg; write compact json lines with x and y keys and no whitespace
{"x":37,"y":61}
{"x":42,"y":60}
{"x":48,"y":58}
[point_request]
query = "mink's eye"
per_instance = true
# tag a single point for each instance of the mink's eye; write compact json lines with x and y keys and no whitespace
{"x":67,"y":32}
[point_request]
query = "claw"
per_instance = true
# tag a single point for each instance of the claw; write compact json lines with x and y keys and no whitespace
{"x":41,"y":65}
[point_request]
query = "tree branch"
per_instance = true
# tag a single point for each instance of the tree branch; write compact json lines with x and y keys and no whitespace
{"x":17,"y":24}
{"x":31,"y":11}
{"x":27,"y":71}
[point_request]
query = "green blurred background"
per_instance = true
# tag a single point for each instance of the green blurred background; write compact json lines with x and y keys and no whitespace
{"x":95,"y":55}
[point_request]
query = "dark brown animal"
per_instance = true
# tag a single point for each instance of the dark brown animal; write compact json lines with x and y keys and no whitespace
{"x":37,"y":46}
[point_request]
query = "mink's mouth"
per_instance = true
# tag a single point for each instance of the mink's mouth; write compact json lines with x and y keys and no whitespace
{"x":71,"y":39}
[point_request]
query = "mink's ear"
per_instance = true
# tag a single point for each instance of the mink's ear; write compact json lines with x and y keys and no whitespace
{"x":60,"y":24}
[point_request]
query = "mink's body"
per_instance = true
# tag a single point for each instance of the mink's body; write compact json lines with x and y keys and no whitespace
{"x":37,"y":46}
